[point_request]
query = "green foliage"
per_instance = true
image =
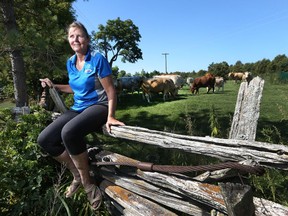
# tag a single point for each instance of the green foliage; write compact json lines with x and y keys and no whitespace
{"x":42,"y":40}
{"x":33,"y":183}
{"x":23,"y":171}
{"x":120,"y":39}
{"x":220,"y":69}
{"x":272,"y":186}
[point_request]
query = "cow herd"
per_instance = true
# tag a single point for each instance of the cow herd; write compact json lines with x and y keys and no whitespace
{"x":169,"y":84}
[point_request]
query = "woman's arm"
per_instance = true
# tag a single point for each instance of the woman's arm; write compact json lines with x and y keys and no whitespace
{"x":107,"y":83}
{"x":63,"y":88}
{"x":59,"y":87}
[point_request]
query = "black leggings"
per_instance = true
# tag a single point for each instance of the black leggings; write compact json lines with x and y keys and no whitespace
{"x":70,"y":129}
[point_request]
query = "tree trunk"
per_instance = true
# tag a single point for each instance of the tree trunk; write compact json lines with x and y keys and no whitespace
{"x":17,"y":63}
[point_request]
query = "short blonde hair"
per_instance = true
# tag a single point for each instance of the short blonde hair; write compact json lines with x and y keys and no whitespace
{"x":77,"y":24}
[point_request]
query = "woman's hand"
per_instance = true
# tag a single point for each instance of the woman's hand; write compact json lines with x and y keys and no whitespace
{"x":46,"y":82}
{"x":112,"y":121}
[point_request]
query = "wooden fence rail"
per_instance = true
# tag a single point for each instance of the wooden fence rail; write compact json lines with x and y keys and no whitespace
{"x":265,"y":154}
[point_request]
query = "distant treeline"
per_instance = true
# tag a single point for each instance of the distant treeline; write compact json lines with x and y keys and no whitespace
{"x":275,"y":69}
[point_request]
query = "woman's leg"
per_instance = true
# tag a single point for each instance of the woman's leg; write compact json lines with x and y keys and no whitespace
{"x":66,"y":160}
{"x":73,"y":133}
{"x":50,"y":140}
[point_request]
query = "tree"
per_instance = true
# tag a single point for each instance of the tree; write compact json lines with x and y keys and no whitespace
{"x":261,"y":67}
{"x":219,"y":69}
{"x":202,"y":72}
{"x":12,"y":48}
{"x":120,"y":38}
{"x":42,"y":40}
{"x":122,"y":73}
{"x":238,"y":67}
{"x":279,"y":64}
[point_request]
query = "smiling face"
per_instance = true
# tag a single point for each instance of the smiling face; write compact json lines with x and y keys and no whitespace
{"x":78,"y":40}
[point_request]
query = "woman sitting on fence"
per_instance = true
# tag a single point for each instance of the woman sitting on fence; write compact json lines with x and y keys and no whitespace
{"x":90,"y":80}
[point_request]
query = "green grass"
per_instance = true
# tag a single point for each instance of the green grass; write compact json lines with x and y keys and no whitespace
{"x":170,"y":115}
{"x":6,"y":104}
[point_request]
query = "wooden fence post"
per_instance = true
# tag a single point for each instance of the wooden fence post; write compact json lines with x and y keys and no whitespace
{"x":238,"y":199}
{"x":247,"y":110}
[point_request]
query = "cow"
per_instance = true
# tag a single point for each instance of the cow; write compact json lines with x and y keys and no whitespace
{"x":177,"y":80}
{"x":118,"y":87}
{"x":155,"y":85}
{"x":219,"y":83}
{"x":131,"y":84}
{"x":240,"y":76}
{"x":189,"y":80}
{"x":247,"y":76}
{"x":208,"y":80}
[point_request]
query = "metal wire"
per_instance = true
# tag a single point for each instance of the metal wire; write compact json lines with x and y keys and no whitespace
{"x":258,"y":170}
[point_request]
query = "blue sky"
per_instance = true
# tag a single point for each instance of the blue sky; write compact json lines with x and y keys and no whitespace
{"x":195,"y":33}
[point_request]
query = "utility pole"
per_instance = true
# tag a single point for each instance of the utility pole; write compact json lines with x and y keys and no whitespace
{"x":165,"y":54}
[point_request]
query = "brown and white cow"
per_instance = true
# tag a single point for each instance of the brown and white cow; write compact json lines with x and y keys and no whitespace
{"x":208,"y":80}
{"x":247,"y":76}
{"x":177,"y":80}
{"x":240,"y":76}
{"x":156,"y":85}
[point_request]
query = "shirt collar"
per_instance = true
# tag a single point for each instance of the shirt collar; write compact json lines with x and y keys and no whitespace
{"x":87,"y":56}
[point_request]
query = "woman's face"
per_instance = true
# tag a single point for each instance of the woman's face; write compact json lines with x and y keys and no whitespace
{"x":78,"y":40}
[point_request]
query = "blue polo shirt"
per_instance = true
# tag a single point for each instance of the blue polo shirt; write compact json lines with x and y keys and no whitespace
{"x":85,"y":83}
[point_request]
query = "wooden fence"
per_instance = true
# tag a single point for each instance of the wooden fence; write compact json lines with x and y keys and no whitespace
{"x":130,"y":190}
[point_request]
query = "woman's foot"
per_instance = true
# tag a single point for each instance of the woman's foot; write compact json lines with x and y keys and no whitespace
{"x":94,"y":196}
{"x":73,"y":188}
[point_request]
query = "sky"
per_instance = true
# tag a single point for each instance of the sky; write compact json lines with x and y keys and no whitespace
{"x":195,"y":33}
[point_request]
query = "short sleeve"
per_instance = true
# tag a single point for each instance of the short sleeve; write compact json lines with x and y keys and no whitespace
{"x":102,"y":66}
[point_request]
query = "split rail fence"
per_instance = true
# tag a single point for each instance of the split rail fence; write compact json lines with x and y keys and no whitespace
{"x":131,"y":187}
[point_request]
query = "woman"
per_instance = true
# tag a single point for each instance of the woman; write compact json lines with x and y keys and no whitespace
{"x":90,"y":80}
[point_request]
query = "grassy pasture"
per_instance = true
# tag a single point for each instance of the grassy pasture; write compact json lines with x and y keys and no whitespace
{"x":173,"y":115}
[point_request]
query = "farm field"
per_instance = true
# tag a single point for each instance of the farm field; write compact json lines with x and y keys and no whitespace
{"x":173,"y":115}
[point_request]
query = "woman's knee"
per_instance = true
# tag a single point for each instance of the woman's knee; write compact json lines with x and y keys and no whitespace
{"x":41,"y":140}
{"x":49,"y":145}
{"x":73,"y":142}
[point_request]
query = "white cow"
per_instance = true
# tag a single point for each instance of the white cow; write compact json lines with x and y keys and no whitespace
{"x":189,"y":80}
{"x":219,"y":83}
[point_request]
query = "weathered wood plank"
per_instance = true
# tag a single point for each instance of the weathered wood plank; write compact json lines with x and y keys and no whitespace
{"x":133,"y":204}
{"x":206,"y":194}
{"x":266,"y":154}
{"x":158,"y":194}
{"x":247,"y":110}
{"x":266,"y":207}
{"x":57,"y":100}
